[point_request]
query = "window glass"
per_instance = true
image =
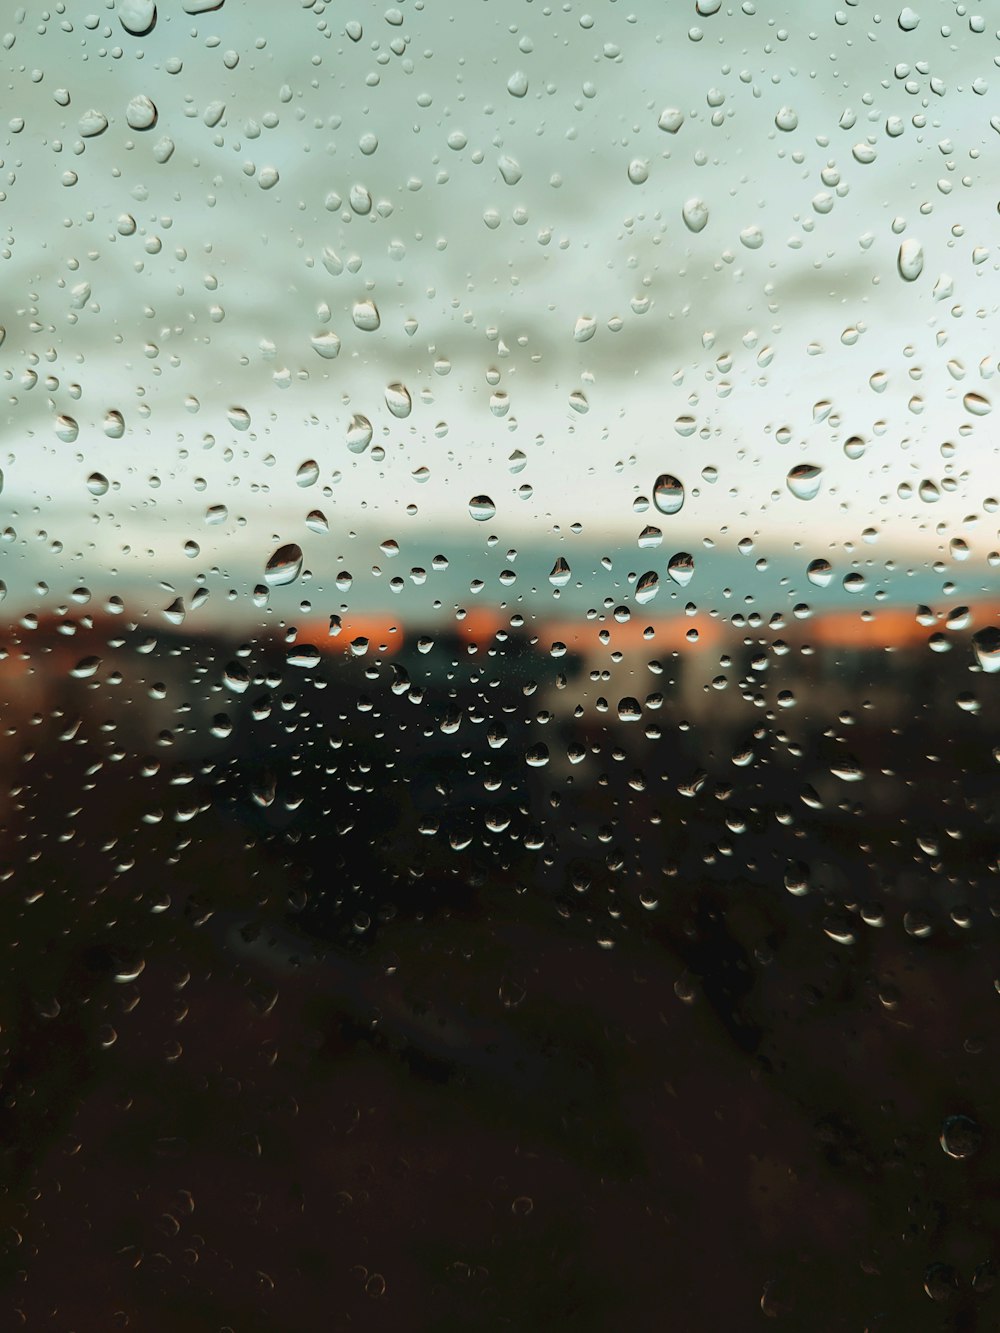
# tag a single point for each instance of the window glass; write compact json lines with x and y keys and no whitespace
{"x":498,"y":713}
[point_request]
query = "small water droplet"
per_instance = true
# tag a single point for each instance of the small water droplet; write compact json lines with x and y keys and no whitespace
{"x":284,"y":566}
{"x":804,"y":480}
{"x":92,"y":123}
{"x":787,"y":119}
{"x":638,"y":171}
{"x":584,"y":329}
{"x":316,"y":521}
{"x":560,"y":573}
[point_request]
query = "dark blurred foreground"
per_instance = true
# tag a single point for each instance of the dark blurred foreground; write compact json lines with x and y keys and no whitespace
{"x":401,"y":995}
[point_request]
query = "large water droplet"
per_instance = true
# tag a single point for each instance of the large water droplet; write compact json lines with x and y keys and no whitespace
{"x":97,"y":483}
{"x":67,"y":428}
{"x":517,"y":84}
{"x":910,"y":260}
{"x":961,"y":1136}
{"x":137,"y":16}
{"x":114,"y":425}
{"x":647,"y":587}
{"x":359,"y":434}
{"x":560,"y":573}
{"x":695,"y":215}
{"x":787,"y":119}
{"x":141,"y":113}
{"x":284,"y":566}
{"x":327,"y":345}
{"x":584,"y":329}
{"x":668,"y":493}
{"x":908,"y":19}
{"x":307,"y":473}
{"x":804,"y":480}
{"x":671,"y":119}
{"x":680,"y":567}
{"x":482,"y":508}
{"x":855,"y":447}
{"x":986,"y":646}
{"x":316,"y":521}
{"x":92,"y":123}
{"x":977,"y":405}
{"x":366,"y":317}
{"x":820,"y":572}
{"x":398,"y":400}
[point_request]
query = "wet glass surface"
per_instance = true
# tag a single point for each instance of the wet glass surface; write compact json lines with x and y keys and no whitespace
{"x":500,"y":631}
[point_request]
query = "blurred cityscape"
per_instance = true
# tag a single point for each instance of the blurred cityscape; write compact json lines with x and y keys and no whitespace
{"x":304,"y":935}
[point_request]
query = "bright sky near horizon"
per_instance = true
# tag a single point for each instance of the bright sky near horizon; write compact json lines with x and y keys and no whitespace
{"x":598,"y":247}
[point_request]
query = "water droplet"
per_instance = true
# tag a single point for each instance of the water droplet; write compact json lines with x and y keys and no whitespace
{"x":366,"y":317}
{"x":629,"y":710}
{"x":284,"y":566}
{"x":820,"y":572}
{"x":986,"y":646}
{"x":316,"y":521}
{"x":910,"y":260}
{"x":650,"y":537}
{"x":961,"y":1137}
{"x":560,"y":573}
{"x":928,"y":491}
{"x":647,"y":587}
{"x":977,"y":405}
{"x":752,"y":238}
{"x":307,"y":473}
{"x":216,"y":514}
{"x":804,"y":480}
{"x":239,"y":418}
{"x":359,"y":434}
{"x":141,"y":113}
{"x":908,"y":19}
{"x":668,"y":493}
{"x":482,"y":508}
{"x":509,"y":170}
{"x":92,"y":123}
{"x":137,"y":17}
{"x":638,"y":171}
{"x":86,"y":667}
{"x":855,"y":447}
{"x":787,"y":119}
{"x":584,"y":329}
{"x":680,"y":567}
{"x":671,"y":119}
{"x":114,"y":425}
{"x":517,"y":84}
{"x":67,"y":428}
{"x":327,"y":345}
{"x":695,"y":215}
{"x":398,"y":400}
{"x":97,"y":483}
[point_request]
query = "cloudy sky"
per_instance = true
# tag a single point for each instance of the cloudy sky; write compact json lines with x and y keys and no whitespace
{"x":548,"y":253}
